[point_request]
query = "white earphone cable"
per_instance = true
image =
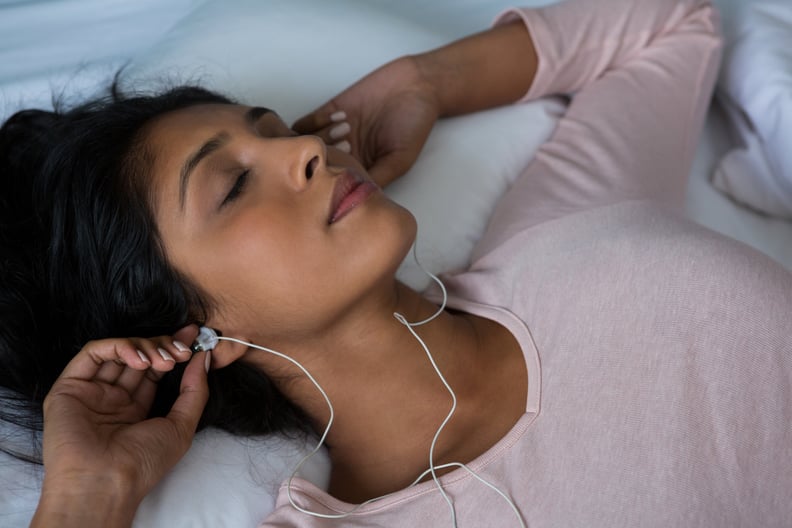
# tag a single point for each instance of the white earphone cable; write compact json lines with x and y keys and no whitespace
{"x":432,"y":468}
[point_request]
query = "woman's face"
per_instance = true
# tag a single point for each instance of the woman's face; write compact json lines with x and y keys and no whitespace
{"x":283,"y":233}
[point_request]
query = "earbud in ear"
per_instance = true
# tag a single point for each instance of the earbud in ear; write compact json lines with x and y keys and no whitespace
{"x":206,"y":340}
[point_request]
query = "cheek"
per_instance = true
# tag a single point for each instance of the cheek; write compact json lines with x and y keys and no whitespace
{"x":264,"y":270}
{"x":267,"y":272}
{"x":260,"y":250}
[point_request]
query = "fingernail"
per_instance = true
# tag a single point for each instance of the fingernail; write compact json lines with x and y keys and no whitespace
{"x":181,"y":346}
{"x":143,"y":357}
{"x":208,"y":360}
{"x":165,"y":355}
{"x":338,"y":116}
{"x":344,"y":146}
{"x":340,"y":130}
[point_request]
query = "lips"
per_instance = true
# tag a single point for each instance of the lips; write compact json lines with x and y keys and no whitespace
{"x":350,"y":190}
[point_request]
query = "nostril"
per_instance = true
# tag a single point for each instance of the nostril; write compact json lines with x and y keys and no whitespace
{"x":311,"y":167}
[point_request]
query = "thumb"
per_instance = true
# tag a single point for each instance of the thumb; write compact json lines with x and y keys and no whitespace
{"x":193,"y":395}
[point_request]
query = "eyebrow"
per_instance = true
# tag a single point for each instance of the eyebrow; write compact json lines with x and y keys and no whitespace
{"x":214,"y":144}
{"x":255,"y":113}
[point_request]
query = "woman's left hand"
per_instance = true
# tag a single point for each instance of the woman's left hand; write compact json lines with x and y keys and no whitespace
{"x":98,"y":444}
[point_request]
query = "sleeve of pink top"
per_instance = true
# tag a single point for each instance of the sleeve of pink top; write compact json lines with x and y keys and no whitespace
{"x":641,"y":75}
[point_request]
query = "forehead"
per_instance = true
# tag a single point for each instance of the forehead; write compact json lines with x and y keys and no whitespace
{"x":172,"y":137}
{"x":193,"y":121}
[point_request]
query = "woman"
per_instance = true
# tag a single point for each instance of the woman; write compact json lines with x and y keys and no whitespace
{"x":664,"y":369}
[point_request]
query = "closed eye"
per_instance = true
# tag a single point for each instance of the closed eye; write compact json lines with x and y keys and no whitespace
{"x":237,"y":189}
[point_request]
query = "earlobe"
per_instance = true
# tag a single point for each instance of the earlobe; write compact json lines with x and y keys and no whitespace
{"x":225,"y":348}
{"x":226,"y":352}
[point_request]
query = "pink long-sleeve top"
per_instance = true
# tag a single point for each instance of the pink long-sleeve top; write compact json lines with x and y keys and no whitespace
{"x":658,"y":353}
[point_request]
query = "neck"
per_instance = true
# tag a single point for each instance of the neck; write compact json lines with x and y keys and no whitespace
{"x":388,"y":399}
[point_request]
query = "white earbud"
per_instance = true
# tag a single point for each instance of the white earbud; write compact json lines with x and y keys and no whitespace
{"x":207,"y":339}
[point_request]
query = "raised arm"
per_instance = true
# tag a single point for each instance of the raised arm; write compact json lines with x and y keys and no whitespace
{"x":646,"y":68}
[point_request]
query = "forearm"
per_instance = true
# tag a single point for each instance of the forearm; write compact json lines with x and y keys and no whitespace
{"x":88,"y":504}
{"x":488,"y":69}
{"x":556,"y":49}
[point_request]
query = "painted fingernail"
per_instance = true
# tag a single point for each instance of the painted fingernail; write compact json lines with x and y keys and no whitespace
{"x":143,"y":357}
{"x":344,"y":146}
{"x":165,"y":355}
{"x":181,"y":346}
{"x":208,"y":360}
{"x":339,"y":131}
{"x":335,"y":117}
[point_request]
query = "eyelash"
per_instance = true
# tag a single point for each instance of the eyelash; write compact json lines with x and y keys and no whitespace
{"x":237,"y":189}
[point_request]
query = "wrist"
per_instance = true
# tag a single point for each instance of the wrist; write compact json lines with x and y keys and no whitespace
{"x":420,"y":75}
{"x":86,"y":501}
{"x":437,"y":71}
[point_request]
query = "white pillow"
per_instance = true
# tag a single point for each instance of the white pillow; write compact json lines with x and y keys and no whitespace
{"x":228,"y":481}
{"x":756,"y":88}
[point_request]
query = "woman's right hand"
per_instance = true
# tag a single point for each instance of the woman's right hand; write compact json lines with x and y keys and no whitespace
{"x":101,"y":454}
{"x":387,"y":116}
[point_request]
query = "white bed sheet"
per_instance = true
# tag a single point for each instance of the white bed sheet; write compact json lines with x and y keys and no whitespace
{"x":709,"y":207}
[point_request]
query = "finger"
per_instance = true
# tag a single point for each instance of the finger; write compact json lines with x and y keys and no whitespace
{"x":146,"y":390}
{"x":337,"y":135}
{"x":185,"y":336}
{"x":88,"y":361}
{"x":130,"y":379}
{"x":320,"y":118}
{"x":157,"y":353}
{"x":193,"y":395}
{"x":171,"y":348}
{"x":343,"y":146}
{"x":164,"y":352}
{"x":109,"y":372}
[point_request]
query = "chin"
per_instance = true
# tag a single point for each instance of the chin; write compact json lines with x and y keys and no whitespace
{"x":401,"y":232}
{"x":375,"y":242}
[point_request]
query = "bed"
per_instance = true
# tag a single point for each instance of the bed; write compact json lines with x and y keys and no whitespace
{"x":291,"y":55}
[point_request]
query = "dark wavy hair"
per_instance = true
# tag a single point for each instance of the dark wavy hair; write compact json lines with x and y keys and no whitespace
{"x":81,"y":259}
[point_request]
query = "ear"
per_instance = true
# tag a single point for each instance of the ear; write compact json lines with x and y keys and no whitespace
{"x":226,"y":352}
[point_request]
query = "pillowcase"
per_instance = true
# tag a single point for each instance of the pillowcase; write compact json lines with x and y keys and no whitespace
{"x":755,"y":87}
{"x":226,"y":480}
{"x":292,"y":55}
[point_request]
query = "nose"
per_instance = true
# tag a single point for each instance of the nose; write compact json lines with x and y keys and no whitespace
{"x":309,"y":155}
